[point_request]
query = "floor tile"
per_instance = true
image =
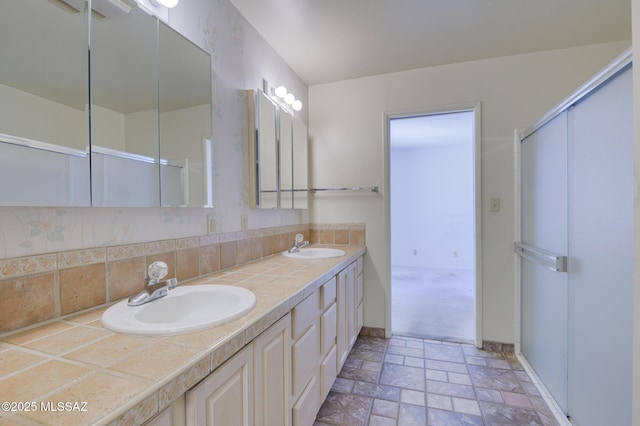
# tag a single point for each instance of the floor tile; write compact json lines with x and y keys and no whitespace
{"x":381,"y":421}
{"x":443,"y":352}
{"x":343,"y":385}
{"x":442,"y":402}
{"x":448,"y":418}
{"x":385,"y":382}
{"x":496,"y":414}
{"x":359,"y":375}
{"x":385,"y":408}
{"x":345,"y":409}
{"x":408,"y":396}
{"x":412,"y":415}
{"x":451,"y":389}
{"x":466,"y":406}
{"x":402,"y":376}
{"x":377,"y":391}
{"x":494,"y":378}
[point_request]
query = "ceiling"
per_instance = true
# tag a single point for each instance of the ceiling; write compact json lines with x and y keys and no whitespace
{"x":333,"y":40}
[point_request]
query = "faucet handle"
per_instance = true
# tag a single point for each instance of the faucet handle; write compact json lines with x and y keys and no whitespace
{"x":299,"y":238}
{"x":157,"y":270}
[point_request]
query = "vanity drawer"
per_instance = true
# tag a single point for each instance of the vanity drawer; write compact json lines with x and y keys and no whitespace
{"x":327,"y":293}
{"x":328,"y":326}
{"x":306,"y":408}
{"x":303,"y":315}
{"x":305,"y":354}
{"x":328,"y":372}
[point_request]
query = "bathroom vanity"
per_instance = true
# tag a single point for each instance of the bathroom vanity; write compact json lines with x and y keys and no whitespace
{"x":274,"y":365}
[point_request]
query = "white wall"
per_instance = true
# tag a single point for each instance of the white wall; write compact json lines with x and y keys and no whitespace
{"x":348,"y":148}
{"x":33,"y":117}
{"x":432,"y":206}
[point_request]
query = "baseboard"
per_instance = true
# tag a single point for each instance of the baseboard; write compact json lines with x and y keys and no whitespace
{"x":372,"y":332}
{"x":490,"y":346}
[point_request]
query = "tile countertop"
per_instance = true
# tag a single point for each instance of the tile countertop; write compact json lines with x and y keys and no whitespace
{"x":74,"y":372}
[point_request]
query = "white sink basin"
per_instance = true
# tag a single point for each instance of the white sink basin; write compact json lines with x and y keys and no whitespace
{"x":184,"y":309}
{"x":315,"y":253}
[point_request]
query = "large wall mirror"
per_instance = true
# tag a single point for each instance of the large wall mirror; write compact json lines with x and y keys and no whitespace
{"x":278,"y":156}
{"x":263,"y":151}
{"x":44,"y":131}
{"x":149,"y":138}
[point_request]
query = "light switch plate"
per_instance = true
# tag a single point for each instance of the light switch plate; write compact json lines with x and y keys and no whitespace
{"x":495,"y":205}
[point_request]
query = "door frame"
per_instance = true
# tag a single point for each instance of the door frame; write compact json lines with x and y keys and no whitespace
{"x":474,"y":107}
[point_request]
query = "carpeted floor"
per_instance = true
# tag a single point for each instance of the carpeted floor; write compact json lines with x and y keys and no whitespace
{"x":433,"y":303}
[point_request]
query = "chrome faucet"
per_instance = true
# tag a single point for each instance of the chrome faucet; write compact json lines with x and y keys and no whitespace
{"x":153,"y":287}
{"x":298,"y":244}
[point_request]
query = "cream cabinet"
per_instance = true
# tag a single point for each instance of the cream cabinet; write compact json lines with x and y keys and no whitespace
{"x":226,"y":397}
{"x":173,"y":415}
{"x":252,"y":388}
{"x":305,"y":357}
{"x":282,"y":377}
{"x":350,"y":289}
{"x":313,"y":352}
{"x":272,"y":367}
{"x":328,"y":369}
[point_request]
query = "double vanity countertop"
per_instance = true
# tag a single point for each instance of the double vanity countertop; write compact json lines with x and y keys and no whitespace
{"x":75,"y":372}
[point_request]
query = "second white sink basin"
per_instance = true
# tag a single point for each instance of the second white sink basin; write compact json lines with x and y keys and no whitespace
{"x":315,"y":253}
{"x":184,"y":309}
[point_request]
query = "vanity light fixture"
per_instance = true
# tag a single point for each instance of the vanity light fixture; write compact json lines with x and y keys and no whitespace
{"x":289,"y":99}
{"x":282,"y":95}
{"x":280,"y":91}
{"x":166,"y":3}
{"x":159,"y":8}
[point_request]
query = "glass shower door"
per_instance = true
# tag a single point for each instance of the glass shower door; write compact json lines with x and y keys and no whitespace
{"x":544,"y":294}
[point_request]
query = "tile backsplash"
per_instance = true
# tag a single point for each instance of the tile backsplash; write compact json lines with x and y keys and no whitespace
{"x":43,"y":287}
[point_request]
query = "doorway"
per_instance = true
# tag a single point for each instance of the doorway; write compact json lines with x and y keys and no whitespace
{"x":433,"y":221}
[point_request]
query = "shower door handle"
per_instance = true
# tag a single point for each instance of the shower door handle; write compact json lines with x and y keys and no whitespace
{"x":555,"y":262}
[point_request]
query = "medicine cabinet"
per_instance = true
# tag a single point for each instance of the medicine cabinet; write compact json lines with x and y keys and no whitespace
{"x":120,"y":117}
{"x":278,"y":156}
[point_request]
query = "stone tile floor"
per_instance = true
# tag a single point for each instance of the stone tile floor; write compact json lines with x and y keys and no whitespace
{"x":408,"y":381}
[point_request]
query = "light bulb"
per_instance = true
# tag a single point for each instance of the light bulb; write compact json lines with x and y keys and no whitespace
{"x":296,"y":105}
{"x":280,"y":91}
{"x":166,"y":3}
{"x":289,"y":99}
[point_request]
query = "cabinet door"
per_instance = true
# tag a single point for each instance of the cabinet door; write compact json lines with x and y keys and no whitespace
{"x":328,"y":372}
{"x":328,"y":329}
{"x":342,"y":340}
{"x":351,"y":304}
{"x":305,"y":358}
{"x":272,"y":374}
{"x":162,"y":419}
{"x":226,"y":396}
{"x":306,"y":408}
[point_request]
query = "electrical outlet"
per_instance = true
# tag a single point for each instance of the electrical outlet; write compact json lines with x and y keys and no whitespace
{"x":244,"y":222}
{"x":494,"y":205}
{"x":455,"y":253}
{"x":415,"y":252}
{"x":211,"y":224}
